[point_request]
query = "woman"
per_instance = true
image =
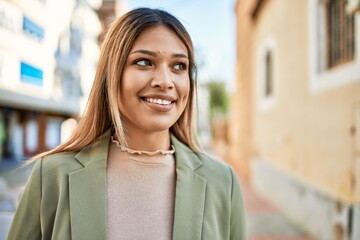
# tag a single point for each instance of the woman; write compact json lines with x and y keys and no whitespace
{"x":132,"y":169}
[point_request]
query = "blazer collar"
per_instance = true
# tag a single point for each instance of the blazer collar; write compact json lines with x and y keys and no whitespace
{"x":184,"y":155}
{"x":96,"y":152}
{"x":87,"y":191}
{"x":190,"y":194}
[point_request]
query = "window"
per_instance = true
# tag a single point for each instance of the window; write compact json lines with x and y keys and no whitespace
{"x":32,"y":135}
{"x":32,"y":29}
{"x":53,"y":132}
{"x":334,"y":57}
{"x":31,"y":74}
{"x":268,"y":74}
{"x":340,"y":33}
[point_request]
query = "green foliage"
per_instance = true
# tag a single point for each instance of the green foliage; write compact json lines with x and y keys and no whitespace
{"x":218,"y":99}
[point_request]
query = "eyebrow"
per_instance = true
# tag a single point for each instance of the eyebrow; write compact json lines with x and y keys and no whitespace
{"x":154,"y":54}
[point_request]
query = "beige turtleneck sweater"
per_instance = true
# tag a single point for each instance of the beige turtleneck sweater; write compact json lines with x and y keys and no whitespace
{"x":140,"y":195}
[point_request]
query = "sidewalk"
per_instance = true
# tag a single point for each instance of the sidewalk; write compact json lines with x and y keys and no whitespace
{"x":12,"y":181}
{"x":264,"y":221}
{"x":15,"y":175}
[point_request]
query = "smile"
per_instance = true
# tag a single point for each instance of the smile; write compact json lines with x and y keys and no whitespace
{"x":158,"y":101}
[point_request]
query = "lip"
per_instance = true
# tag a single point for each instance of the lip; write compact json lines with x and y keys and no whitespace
{"x":156,"y":106}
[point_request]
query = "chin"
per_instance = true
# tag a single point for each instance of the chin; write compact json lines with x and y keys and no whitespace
{"x":159,"y":126}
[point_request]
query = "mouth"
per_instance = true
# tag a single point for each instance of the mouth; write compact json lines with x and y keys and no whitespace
{"x":158,"y":101}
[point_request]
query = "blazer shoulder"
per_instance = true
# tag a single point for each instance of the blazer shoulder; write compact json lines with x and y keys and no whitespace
{"x":60,"y":163}
{"x":217,"y":168}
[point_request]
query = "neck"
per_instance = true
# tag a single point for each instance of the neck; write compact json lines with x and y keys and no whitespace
{"x":149,"y":141}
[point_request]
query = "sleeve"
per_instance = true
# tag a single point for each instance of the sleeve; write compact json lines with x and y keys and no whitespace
{"x":237,"y":218}
{"x":26,"y":222}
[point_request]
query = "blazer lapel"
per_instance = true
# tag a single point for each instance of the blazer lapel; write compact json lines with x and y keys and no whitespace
{"x":190,"y":194}
{"x":87,"y":193}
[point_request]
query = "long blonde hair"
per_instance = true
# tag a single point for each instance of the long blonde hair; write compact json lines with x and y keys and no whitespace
{"x":102,"y":113}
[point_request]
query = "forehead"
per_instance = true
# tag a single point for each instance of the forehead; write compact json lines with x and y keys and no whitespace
{"x":159,"y":39}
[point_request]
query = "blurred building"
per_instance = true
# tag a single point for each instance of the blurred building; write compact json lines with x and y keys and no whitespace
{"x":48,"y":54}
{"x":107,"y":14}
{"x":203,"y":117}
{"x":294,"y":128}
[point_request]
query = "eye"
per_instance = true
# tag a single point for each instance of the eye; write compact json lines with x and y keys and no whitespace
{"x":180,"y":66}
{"x":143,"y":62}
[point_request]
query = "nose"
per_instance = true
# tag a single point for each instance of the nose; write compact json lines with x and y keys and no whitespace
{"x":162,"y":78}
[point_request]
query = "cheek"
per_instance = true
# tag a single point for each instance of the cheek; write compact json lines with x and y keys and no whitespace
{"x":126,"y":90}
{"x":131,"y":82}
{"x":183,"y":87}
{"x":127,"y":80}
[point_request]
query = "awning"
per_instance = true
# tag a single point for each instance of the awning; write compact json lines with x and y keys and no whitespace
{"x":15,"y":100}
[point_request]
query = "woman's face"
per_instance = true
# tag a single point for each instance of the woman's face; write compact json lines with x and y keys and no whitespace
{"x":155,"y":84}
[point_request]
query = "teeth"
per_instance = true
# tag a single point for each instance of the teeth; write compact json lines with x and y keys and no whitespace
{"x":158,"y":101}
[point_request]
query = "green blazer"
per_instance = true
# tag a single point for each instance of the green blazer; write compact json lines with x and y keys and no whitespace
{"x":65,"y":198}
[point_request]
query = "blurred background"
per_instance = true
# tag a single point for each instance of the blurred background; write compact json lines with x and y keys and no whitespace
{"x":279,"y":99}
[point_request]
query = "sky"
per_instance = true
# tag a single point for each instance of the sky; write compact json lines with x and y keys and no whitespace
{"x":211,"y":24}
